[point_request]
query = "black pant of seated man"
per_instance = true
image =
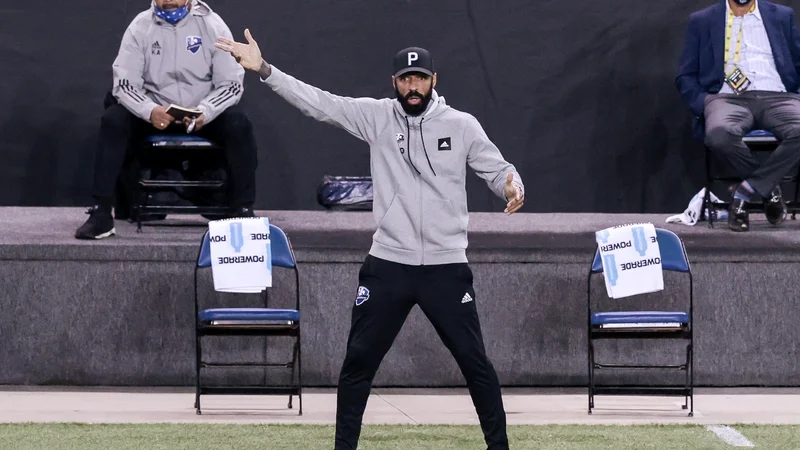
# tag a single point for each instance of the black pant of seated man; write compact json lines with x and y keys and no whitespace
{"x":122,"y":133}
{"x":728,"y":117}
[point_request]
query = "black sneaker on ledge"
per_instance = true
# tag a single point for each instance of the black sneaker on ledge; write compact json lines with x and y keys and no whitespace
{"x":99,"y":225}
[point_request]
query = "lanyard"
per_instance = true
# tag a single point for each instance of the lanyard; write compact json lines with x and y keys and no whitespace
{"x":728,"y":33}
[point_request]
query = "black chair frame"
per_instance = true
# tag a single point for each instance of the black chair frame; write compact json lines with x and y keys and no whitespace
{"x":168,"y":155}
{"x":261,"y":329}
{"x":685,"y":332}
{"x":756,"y":145}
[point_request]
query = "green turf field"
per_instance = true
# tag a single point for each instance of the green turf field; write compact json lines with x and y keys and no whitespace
{"x":405,"y":437}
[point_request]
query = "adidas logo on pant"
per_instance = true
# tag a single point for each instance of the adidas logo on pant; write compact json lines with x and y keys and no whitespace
{"x":467,"y":298}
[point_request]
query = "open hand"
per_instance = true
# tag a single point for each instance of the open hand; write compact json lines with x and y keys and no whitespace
{"x":514,"y":196}
{"x":248,"y":55}
{"x":160,"y":119}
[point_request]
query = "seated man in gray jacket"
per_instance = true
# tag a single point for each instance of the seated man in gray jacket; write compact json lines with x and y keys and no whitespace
{"x":419,"y":148}
{"x":167,"y":56}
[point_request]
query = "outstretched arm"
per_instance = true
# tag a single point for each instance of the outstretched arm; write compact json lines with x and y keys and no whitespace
{"x":355,"y":115}
{"x":486,"y":160}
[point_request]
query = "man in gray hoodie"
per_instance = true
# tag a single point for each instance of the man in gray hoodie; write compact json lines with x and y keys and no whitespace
{"x":419,"y":148}
{"x":167,"y":57}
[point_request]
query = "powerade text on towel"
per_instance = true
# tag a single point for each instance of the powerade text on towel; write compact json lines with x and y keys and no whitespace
{"x":631,"y":259}
{"x":241,"y":254}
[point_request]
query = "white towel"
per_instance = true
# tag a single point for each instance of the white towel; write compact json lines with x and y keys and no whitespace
{"x":631,"y":259}
{"x":692,"y":213}
{"x":241,"y":254}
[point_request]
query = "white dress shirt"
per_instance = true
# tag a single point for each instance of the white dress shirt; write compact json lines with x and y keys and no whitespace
{"x":755,"y":57}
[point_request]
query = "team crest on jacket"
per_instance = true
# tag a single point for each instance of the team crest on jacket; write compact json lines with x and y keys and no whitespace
{"x":193,"y":43}
{"x":362,"y":295}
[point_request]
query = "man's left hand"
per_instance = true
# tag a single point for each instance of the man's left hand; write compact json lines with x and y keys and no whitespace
{"x":514,"y":196}
{"x":198,"y":122}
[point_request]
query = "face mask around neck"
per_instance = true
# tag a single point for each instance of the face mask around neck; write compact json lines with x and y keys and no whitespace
{"x":173,"y":16}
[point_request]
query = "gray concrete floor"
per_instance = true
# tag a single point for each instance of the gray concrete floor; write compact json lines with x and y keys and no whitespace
{"x":393,"y":406}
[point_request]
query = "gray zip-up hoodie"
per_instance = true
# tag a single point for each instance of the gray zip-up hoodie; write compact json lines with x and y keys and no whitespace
{"x":418,"y":168}
{"x":159,"y":64}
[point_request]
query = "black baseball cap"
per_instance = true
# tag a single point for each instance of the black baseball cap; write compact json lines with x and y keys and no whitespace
{"x":413,"y":59}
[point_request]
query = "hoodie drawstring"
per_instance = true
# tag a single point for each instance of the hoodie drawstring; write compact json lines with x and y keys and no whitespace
{"x":422,"y":135}
{"x":424,"y":148}
{"x":408,"y":132}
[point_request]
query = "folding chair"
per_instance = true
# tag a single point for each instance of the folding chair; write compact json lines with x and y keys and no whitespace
{"x":757,"y":141}
{"x":183,"y":154}
{"x":647,"y":325}
{"x":265,"y":322}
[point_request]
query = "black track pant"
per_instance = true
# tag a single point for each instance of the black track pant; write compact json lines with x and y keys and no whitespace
{"x":446,"y":297}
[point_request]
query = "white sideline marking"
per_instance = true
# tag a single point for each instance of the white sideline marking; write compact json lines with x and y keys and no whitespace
{"x":730,"y":435}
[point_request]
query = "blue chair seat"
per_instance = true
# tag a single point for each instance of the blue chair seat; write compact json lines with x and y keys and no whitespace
{"x":188,"y":140}
{"x":639,"y":317}
{"x":249,"y":314}
{"x":759,"y":136}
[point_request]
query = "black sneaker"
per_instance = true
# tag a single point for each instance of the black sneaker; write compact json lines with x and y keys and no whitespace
{"x":738,"y":219}
{"x":775,"y":207}
{"x":99,"y":225}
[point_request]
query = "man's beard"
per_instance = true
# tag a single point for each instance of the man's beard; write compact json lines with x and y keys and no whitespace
{"x":419,"y":108}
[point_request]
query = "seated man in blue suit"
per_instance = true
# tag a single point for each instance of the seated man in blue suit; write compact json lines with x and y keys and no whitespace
{"x":739,"y":71}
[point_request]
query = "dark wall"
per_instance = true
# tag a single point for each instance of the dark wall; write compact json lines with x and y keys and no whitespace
{"x":578,"y":94}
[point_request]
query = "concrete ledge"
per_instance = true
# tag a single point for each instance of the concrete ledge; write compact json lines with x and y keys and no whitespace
{"x":119,"y":312}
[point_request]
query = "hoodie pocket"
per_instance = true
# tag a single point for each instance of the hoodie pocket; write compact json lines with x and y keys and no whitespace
{"x":396,"y":228}
{"x":444,"y":227}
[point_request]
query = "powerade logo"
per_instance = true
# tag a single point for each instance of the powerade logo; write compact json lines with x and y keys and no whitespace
{"x":611,"y":273}
{"x":641,"y":263}
{"x":240,"y":259}
{"x":639,"y":241}
{"x":617,"y":246}
{"x":237,"y":238}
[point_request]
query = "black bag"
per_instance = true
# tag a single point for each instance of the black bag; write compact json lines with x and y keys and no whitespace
{"x":341,"y":193}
